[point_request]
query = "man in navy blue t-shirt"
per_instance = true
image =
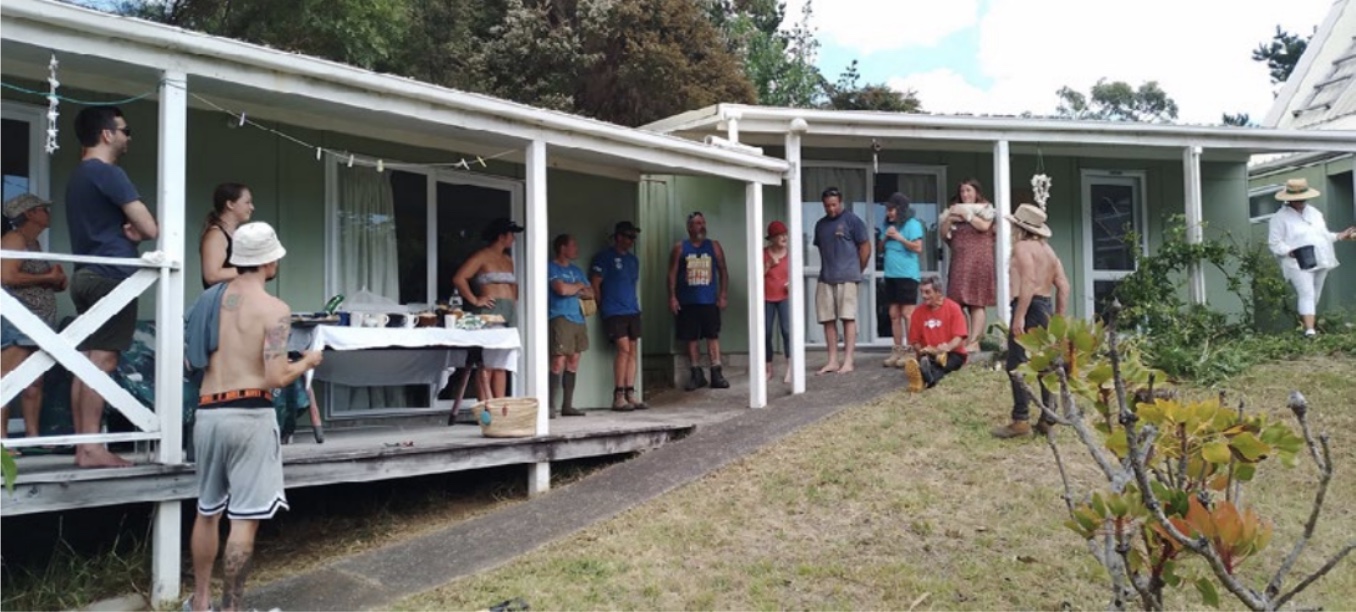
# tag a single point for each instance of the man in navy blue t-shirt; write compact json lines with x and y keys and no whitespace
{"x":614,"y":274}
{"x":106,"y":218}
{"x":698,"y":288}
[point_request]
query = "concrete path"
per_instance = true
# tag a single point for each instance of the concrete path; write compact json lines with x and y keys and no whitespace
{"x":380,"y":577}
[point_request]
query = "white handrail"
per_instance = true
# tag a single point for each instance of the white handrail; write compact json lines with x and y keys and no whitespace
{"x":153,"y":259}
{"x":100,"y":438}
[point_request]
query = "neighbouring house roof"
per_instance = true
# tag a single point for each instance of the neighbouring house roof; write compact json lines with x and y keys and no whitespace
{"x":1321,"y":91}
{"x":830,"y":128}
{"x":114,"y":54}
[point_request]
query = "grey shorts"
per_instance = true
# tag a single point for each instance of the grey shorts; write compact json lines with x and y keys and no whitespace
{"x":239,"y":463}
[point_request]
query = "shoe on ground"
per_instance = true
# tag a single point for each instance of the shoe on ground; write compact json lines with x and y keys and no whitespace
{"x":636,"y":404}
{"x":1015,"y":429}
{"x":1309,"y":333}
{"x":914,"y":373}
{"x":896,"y":358}
{"x":718,"y":379}
{"x":695,"y":380}
{"x":619,"y":403}
{"x":572,"y":412}
{"x":1043,"y":427}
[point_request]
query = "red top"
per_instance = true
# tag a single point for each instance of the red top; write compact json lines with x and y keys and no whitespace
{"x":776,"y":277}
{"x":930,"y":326}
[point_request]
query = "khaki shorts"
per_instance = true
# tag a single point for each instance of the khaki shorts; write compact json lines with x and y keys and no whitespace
{"x":836,"y":302}
{"x":568,"y":337}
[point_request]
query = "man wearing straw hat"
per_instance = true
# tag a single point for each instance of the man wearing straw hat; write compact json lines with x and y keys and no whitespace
{"x":242,"y":332}
{"x":1034,"y":269}
{"x":1298,"y":236}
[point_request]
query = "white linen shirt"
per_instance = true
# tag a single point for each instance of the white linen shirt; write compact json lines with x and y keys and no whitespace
{"x":1290,"y":230}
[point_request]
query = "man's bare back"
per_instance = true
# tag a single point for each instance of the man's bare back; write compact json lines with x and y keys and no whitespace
{"x":1033,"y":270}
{"x":252,"y":341}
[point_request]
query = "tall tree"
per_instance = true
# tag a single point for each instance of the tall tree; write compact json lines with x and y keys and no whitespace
{"x":1118,"y":101}
{"x":779,"y":62}
{"x":1281,"y":54}
{"x":849,"y":94}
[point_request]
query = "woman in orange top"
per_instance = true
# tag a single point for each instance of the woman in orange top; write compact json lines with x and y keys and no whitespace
{"x":776,"y":292}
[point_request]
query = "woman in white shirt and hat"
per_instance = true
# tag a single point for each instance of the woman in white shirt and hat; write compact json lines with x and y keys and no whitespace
{"x":1299,"y":237}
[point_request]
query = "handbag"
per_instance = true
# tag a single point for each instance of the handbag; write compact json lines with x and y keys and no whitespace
{"x":588,"y":306}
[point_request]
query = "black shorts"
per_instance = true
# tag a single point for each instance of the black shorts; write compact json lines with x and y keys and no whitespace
{"x":622,"y":326}
{"x":697,"y":322}
{"x":901,"y":291}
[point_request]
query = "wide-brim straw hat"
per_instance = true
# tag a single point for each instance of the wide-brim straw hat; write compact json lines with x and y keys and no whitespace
{"x":255,"y":244}
{"x":16,"y":206}
{"x":1296,"y":190}
{"x":1030,"y":218}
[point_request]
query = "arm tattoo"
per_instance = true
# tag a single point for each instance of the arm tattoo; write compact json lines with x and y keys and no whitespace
{"x":275,"y":339}
{"x":232,"y":302}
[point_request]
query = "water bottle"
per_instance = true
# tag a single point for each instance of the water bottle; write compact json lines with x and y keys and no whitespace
{"x":333,"y":304}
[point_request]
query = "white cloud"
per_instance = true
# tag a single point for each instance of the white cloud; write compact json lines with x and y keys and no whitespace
{"x":870,"y":26}
{"x":1198,"y":50}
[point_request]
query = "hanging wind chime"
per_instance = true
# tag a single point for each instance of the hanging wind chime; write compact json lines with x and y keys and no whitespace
{"x":52,"y":113}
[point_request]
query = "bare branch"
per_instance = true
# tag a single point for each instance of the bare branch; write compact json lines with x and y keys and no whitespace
{"x":1085,"y":436}
{"x":1200,"y":547}
{"x":1063,"y":475}
{"x":1325,"y":476}
{"x":1327,"y":567}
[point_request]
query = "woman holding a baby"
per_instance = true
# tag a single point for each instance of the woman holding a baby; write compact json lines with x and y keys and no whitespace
{"x":967,"y":227}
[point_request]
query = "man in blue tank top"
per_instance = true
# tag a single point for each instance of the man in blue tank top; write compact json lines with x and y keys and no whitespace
{"x":698,"y":286}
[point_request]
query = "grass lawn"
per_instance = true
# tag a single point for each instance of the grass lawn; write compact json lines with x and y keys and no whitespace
{"x":908,"y":502}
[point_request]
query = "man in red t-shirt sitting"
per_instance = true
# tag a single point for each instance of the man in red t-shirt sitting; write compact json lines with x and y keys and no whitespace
{"x":937,"y":332}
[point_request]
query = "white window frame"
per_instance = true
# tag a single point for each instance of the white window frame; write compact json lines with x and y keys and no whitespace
{"x":39,"y":163}
{"x":1262,"y":191}
{"x":514,"y":187}
{"x":1087,"y":177}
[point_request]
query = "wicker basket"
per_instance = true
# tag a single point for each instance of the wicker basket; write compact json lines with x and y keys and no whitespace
{"x":507,"y":417}
{"x":588,"y":306}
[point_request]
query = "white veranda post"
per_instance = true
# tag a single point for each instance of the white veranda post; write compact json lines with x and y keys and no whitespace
{"x":1002,"y":196}
{"x":1191,"y":166}
{"x":534,"y":289}
{"x":796,"y":221}
{"x":753,"y":248}
{"x":169,"y":332}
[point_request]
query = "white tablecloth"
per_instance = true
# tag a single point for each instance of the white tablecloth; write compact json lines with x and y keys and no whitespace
{"x":371,"y":356}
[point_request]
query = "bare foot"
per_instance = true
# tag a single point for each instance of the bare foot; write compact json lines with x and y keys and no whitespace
{"x":847,"y":367}
{"x":830,"y":368}
{"x":96,"y":456}
{"x":787,"y":380}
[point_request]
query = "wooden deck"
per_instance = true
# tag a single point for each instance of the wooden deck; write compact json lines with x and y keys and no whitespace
{"x":52,"y":483}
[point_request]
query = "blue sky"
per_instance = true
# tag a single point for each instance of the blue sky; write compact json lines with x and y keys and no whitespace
{"x":1010,"y":56}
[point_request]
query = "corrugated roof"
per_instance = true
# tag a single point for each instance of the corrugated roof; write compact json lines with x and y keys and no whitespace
{"x":1334,"y":95}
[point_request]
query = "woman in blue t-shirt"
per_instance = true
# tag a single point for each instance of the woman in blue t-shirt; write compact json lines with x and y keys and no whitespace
{"x":902,"y":243}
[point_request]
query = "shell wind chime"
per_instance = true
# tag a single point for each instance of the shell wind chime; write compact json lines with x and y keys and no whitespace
{"x":1040,"y":189}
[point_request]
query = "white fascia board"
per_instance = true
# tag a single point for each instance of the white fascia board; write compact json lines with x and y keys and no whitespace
{"x":985,"y":129}
{"x":690,"y":120}
{"x":65,"y":28}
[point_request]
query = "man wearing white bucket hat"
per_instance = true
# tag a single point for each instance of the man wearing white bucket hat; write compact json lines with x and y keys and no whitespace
{"x":1034,"y":269}
{"x":1298,"y":236}
{"x":235,"y":431}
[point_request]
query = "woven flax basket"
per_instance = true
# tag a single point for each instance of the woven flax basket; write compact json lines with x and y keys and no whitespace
{"x":508,"y":417}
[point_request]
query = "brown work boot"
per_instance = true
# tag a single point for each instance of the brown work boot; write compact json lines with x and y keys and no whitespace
{"x":1043,"y":427}
{"x":1015,"y":429}
{"x":914,"y":373}
{"x":619,"y":403}
{"x":636,"y":404}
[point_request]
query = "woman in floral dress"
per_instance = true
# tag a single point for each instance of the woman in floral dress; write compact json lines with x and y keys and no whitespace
{"x":968,"y":229}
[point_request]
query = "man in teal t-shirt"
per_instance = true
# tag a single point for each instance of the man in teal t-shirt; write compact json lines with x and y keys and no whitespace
{"x":569,"y":333}
{"x":902,"y":243}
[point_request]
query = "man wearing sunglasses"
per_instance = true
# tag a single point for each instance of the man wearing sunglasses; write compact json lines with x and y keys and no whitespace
{"x":106,"y":218}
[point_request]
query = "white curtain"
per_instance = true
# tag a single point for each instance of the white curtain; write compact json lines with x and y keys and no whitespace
{"x":367,"y":261}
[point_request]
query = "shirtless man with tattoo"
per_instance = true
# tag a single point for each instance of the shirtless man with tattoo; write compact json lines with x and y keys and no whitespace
{"x":235,"y":431}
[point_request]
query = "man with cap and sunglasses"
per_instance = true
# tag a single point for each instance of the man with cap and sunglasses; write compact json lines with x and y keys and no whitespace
{"x":1033,"y":271}
{"x":698,"y":289}
{"x":614,"y":274}
{"x":241,"y":330}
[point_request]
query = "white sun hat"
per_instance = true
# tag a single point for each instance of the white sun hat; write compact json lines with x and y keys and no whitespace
{"x":255,"y":244}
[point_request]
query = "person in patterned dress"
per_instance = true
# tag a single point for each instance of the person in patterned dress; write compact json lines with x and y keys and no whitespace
{"x":968,"y":229}
{"x":34,"y":283}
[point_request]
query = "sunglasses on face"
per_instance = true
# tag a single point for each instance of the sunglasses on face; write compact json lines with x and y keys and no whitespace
{"x":125,"y":130}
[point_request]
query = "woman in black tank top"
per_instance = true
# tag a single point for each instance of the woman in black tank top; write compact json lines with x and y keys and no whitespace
{"x":232,"y":205}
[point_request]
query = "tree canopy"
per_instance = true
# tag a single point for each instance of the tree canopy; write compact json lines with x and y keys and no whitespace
{"x":1281,"y":54}
{"x":626,"y":61}
{"x":1118,"y":101}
